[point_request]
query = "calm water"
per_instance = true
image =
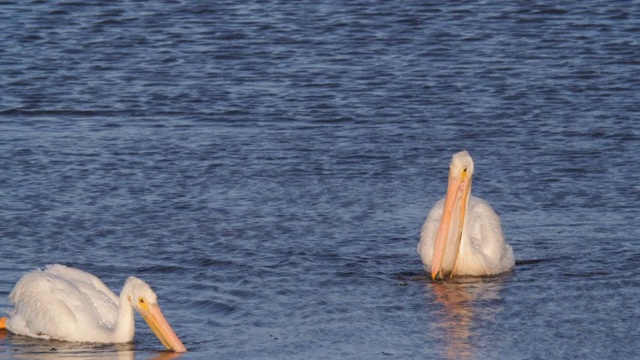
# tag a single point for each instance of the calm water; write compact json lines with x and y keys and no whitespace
{"x":267,"y":166}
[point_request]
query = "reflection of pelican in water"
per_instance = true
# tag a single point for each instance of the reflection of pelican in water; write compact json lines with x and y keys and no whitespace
{"x":467,"y":304}
{"x":28,"y":348}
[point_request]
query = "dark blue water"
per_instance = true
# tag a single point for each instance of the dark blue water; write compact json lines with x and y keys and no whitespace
{"x":267,"y":166}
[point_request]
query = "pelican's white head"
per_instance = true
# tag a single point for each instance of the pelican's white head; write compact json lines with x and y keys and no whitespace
{"x":461,"y":162}
{"x":445,"y":252}
{"x":145,"y":301}
{"x":139,"y":292}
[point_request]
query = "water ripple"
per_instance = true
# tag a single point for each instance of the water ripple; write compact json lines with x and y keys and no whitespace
{"x":266,"y":167}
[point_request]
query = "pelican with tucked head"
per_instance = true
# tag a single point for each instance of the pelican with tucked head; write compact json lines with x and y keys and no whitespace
{"x":68,"y":304}
{"x":462,"y":234}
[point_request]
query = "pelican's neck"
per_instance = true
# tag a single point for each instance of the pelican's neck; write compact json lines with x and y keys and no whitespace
{"x":466,"y":221}
{"x":126,"y":326}
{"x":466,"y":206}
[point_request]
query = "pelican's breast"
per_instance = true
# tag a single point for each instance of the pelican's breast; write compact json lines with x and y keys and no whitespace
{"x":483,"y":249}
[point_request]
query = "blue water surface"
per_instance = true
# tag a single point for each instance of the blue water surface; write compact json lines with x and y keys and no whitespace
{"x":267,"y":166}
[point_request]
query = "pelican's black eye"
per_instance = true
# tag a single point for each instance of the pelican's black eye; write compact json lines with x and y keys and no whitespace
{"x":141,"y":301}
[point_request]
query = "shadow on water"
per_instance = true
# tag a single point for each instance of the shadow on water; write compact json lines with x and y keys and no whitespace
{"x":537,"y":261}
{"x":422,"y":276}
{"x":23,"y":347}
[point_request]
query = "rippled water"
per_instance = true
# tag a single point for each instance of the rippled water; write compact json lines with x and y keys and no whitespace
{"x":267,"y":166}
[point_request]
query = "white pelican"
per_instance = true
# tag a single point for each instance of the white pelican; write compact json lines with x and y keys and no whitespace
{"x":64,"y":303}
{"x":462,"y":234}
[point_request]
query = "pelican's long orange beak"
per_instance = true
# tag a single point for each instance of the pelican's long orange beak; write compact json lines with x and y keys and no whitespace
{"x":445,"y":252}
{"x":153,"y":316}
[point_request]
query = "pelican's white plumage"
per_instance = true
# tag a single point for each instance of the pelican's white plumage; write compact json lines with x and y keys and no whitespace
{"x":64,"y":303}
{"x":462,"y":234}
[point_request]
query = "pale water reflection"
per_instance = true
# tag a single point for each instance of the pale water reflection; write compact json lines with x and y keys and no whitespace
{"x":28,"y":348}
{"x":467,"y":305}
